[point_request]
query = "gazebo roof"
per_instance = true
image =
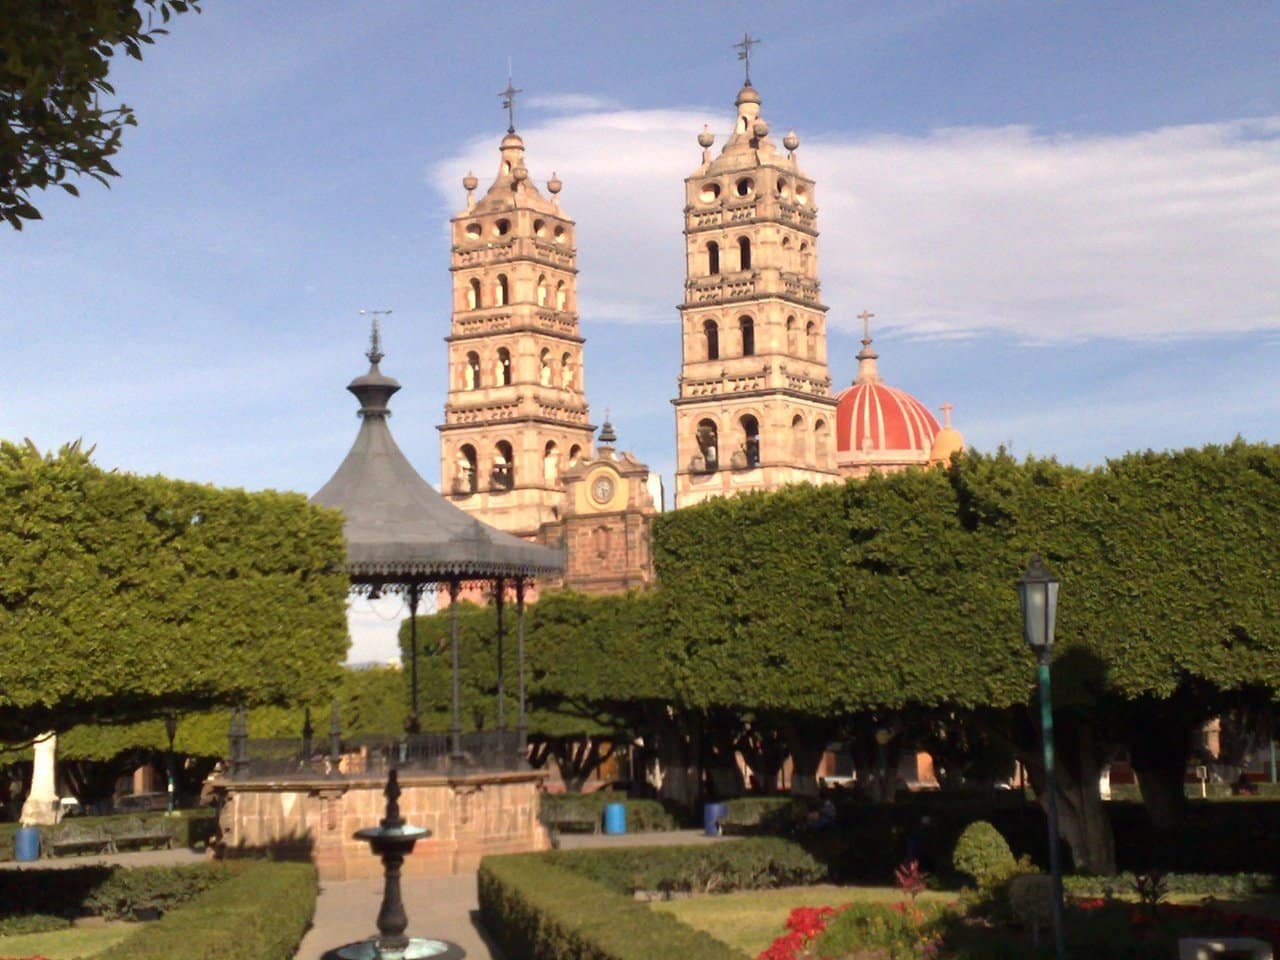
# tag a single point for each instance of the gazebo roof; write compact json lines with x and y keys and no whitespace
{"x":400,"y":530}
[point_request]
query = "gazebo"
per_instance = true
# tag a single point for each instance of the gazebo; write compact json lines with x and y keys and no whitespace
{"x":476,"y":797}
{"x":404,"y":536}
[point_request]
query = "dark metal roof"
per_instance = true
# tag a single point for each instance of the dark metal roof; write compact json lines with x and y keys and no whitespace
{"x":398,"y":528}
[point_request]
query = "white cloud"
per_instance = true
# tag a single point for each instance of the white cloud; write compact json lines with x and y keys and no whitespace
{"x":570,"y":102}
{"x":1155,"y":234}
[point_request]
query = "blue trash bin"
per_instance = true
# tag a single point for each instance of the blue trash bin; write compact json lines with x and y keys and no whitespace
{"x":712,"y":814}
{"x":615,"y":818}
{"x":26,"y":844}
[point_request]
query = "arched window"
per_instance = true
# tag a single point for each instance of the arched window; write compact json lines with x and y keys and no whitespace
{"x":473,"y":294}
{"x":575,"y":452}
{"x":811,"y":340}
{"x":712,"y":333}
{"x":820,"y":443}
{"x":804,"y":256}
{"x":798,"y":438}
{"x":791,"y":335}
{"x":708,"y":445}
{"x":502,"y":369}
{"x":503,"y":476}
{"x":744,"y":253}
{"x":471,"y":372}
{"x":466,"y":480}
{"x":750,"y":439}
{"x":551,"y":463}
{"x":544,"y":367}
{"x":542,"y":291}
{"x":567,"y":371}
{"x":562,"y":296}
{"x":501,"y":292}
{"x":747,"y":327}
{"x":713,"y":258}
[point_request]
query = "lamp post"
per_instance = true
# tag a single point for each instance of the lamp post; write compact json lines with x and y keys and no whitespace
{"x":170,"y":728}
{"x":1038,"y":592}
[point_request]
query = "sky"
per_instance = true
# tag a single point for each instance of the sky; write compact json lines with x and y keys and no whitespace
{"x":1065,"y":217}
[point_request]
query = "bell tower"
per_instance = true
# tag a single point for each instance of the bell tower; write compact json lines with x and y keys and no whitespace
{"x":516,"y":411}
{"x":754,"y":410}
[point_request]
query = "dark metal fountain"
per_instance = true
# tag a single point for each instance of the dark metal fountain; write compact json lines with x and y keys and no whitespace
{"x":393,"y":840}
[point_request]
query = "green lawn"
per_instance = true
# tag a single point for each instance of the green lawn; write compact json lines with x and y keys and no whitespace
{"x":751,"y":920}
{"x":66,"y":944}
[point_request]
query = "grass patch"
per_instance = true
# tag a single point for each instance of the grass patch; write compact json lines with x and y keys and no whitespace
{"x":67,"y":944}
{"x":751,"y":920}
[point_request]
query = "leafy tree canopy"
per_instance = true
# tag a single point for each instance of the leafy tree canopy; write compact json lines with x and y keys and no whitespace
{"x":54,"y":59}
{"x":124,"y":597}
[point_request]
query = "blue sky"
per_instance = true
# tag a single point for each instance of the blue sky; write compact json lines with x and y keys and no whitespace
{"x":1066,"y":218}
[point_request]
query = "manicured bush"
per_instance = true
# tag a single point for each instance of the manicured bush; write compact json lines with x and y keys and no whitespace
{"x":891,"y":932}
{"x":756,"y":863}
{"x":32,"y":923}
{"x":113,"y":892}
{"x":749,"y":814}
{"x":538,"y":909}
{"x":260,"y":913}
{"x":1194,"y":884}
{"x":981,"y":851}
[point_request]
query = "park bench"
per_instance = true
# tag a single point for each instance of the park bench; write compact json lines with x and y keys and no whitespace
{"x":77,"y":838}
{"x":570,"y":816}
{"x":137,"y":832}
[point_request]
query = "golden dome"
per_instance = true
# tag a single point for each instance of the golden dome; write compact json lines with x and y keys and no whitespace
{"x":946,"y":441}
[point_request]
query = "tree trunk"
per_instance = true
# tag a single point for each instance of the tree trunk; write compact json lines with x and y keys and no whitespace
{"x":1082,"y":819}
{"x":1159,"y":746}
{"x":807,"y":742}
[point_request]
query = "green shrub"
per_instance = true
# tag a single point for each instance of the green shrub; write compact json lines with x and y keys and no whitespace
{"x":757,"y":863}
{"x":1195,"y":884}
{"x":981,"y":851}
{"x":113,"y":892}
{"x":192,"y":828}
{"x":32,"y":923}
{"x":747,"y":814}
{"x":880,"y":930}
{"x":260,"y":913}
{"x":537,"y":909}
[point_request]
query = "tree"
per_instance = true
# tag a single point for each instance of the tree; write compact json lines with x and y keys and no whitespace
{"x":123,"y":598}
{"x":54,"y":59}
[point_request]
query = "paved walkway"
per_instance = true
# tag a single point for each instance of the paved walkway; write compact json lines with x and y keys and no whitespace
{"x":439,"y":908}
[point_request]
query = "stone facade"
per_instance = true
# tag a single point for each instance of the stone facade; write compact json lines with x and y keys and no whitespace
{"x":754,"y":410}
{"x":469,"y":817}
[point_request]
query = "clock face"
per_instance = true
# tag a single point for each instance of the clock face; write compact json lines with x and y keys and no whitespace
{"x":602,"y":489}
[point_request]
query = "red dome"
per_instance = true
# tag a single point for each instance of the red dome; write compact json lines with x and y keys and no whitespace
{"x":875,"y":418}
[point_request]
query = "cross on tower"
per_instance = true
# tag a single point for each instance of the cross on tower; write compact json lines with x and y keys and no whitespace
{"x":509,"y":104}
{"x":865,"y":316}
{"x":375,"y":337}
{"x":946,"y":409}
{"x":743,"y":47}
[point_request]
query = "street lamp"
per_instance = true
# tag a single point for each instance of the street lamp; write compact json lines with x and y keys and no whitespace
{"x":171,"y":728}
{"x":1038,"y":591}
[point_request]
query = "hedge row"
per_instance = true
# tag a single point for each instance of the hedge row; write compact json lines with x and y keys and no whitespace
{"x":759,"y":863}
{"x":113,"y":892}
{"x":1228,"y":885}
{"x":642,"y":815}
{"x":261,"y":913}
{"x":190,"y":828}
{"x":538,"y":910}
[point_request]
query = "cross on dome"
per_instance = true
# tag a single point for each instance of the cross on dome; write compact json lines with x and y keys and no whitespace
{"x":868,"y":372}
{"x":509,"y":103}
{"x":743,"y":47}
{"x":946,"y":409}
{"x":375,"y":353}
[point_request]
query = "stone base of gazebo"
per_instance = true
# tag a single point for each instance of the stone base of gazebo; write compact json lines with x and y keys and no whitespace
{"x":469,"y":816}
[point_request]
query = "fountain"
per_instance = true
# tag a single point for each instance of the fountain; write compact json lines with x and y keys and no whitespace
{"x":393,"y":840}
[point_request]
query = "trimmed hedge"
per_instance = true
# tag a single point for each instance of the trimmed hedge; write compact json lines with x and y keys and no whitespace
{"x":113,"y":892}
{"x":261,"y":913}
{"x":643,"y":816}
{"x":750,"y":813}
{"x":758,"y":863}
{"x":1195,"y":884}
{"x":190,"y":828}
{"x":539,"y":910}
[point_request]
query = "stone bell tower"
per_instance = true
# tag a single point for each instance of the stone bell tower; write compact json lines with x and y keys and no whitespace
{"x":516,"y":412}
{"x":754,"y":410}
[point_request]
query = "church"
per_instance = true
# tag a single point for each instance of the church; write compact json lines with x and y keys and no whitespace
{"x":754,"y":403}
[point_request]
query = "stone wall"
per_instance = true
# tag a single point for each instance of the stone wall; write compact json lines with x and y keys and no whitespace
{"x":468,"y":816}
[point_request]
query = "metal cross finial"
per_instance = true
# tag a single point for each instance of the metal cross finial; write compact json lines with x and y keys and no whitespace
{"x":743,"y":47}
{"x":946,"y":409}
{"x":375,"y":337}
{"x":865,"y":316}
{"x":509,"y":103}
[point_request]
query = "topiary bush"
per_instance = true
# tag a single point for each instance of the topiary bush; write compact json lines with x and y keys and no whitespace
{"x":981,"y":851}
{"x":113,"y":892}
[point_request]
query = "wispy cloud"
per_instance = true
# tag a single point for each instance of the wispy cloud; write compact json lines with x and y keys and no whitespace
{"x":570,"y":102}
{"x":1163,"y":233}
